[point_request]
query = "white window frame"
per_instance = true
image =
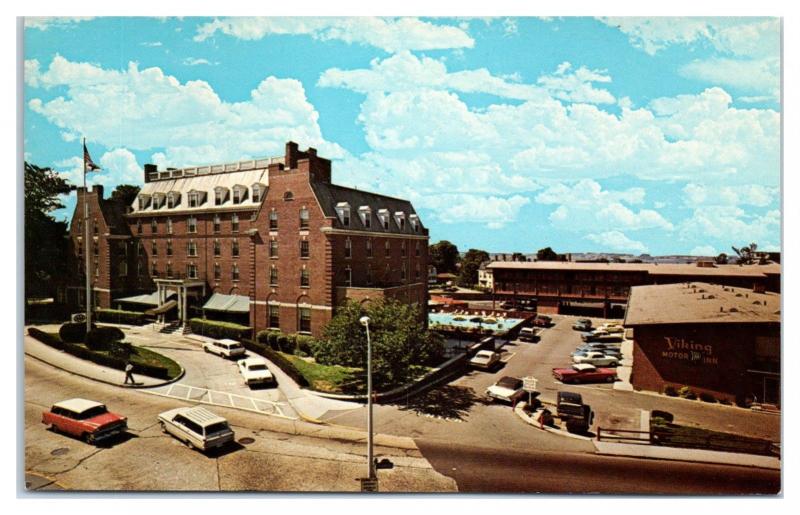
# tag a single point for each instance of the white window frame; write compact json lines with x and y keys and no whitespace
{"x":256,"y":192}
{"x":144,"y":201}
{"x":343,"y":212}
{"x":414,"y":219}
{"x":218,"y":201}
{"x":383,"y":214}
{"x":191,"y":225}
{"x":400,"y":219}
{"x":365,"y":213}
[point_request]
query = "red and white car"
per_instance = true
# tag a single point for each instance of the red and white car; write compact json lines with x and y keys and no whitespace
{"x":89,"y":420}
{"x":585,"y":373}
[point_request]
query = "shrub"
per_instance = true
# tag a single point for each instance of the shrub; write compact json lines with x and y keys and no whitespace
{"x":687,"y":393}
{"x":666,"y":416}
{"x":219,"y":330}
{"x":707,"y":397}
{"x":119,"y":316}
{"x":121,"y":350}
{"x":263,"y":337}
{"x":304,"y":344}
{"x":46,"y":338}
{"x":284,"y":364}
{"x":73,"y":332}
{"x":283,"y":342}
{"x":273,"y":339}
{"x":671,"y":391}
{"x":100,"y":338}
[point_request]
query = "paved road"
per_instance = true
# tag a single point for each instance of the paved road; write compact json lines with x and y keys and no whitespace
{"x":484,"y":469}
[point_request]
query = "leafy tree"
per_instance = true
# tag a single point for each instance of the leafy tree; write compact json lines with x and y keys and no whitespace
{"x":518,"y":256}
{"x":444,"y":256}
{"x":45,"y":237}
{"x":722,"y":259}
{"x":125,"y":193}
{"x":746,"y":255}
{"x":400,"y":343}
{"x":468,"y":275}
{"x":547,"y":254}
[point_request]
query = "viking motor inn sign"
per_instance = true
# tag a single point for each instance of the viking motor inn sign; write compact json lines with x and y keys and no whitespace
{"x":677,"y":348}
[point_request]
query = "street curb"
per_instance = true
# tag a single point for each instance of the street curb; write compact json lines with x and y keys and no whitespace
{"x":712,"y":457}
{"x":518,"y":409}
{"x":134,"y":387}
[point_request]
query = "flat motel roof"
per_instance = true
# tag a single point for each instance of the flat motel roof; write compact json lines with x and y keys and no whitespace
{"x":653,"y":269}
{"x":698,"y":302}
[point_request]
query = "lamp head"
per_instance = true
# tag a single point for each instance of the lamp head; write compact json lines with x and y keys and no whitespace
{"x":364,"y":320}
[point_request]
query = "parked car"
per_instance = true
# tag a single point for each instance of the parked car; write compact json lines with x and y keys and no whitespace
{"x":197,"y":427}
{"x":582,"y":324}
{"x":507,"y":389}
{"x":543,"y":321}
{"x":595,"y":358}
{"x":607,"y":349}
{"x":255,"y":371}
{"x":529,"y":334}
{"x":225,"y":348}
{"x":575,"y":415}
{"x":585,"y":373}
{"x":86,"y":419}
{"x":602,"y":337}
{"x":612,"y":328}
{"x":485,"y":359}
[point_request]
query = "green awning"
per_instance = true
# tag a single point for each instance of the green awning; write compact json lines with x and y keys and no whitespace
{"x":151,"y":299}
{"x":229,"y":303}
{"x":163,"y":308}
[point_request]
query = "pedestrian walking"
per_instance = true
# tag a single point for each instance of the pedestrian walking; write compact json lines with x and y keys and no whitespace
{"x":129,"y":373}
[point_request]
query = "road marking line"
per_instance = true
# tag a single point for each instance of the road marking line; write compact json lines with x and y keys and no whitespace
{"x":271,"y":408}
{"x":509,"y":357}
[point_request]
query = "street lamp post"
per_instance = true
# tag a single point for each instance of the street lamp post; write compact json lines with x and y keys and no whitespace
{"x":370,"y":461}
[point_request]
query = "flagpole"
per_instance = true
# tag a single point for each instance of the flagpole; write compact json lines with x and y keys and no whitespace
{"x":86,"y":245}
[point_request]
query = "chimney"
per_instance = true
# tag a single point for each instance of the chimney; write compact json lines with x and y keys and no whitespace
{"x":97,"y":189}
{"x":290,"y":158}
{"x":148,"y":169}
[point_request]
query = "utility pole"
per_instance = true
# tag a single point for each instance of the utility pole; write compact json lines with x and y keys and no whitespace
{"x":86,"y":246}
{"x":370,"y":460}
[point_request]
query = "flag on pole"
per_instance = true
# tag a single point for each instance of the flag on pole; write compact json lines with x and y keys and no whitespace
{"x":89,"y":165}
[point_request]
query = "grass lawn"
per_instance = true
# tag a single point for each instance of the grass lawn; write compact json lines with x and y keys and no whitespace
{"x":327,"y":378}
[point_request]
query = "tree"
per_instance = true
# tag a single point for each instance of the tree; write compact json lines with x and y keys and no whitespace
{"x":444,"y":256}
{"x":746,"y":255}
{"x":722,"y":259}
{"x":125,"y":193}
{"x":468,"y":275}
{"x":546,"y":254}
{"x":400,"y":343}
{"x":45,"y":237}
{"x":518,"y":256}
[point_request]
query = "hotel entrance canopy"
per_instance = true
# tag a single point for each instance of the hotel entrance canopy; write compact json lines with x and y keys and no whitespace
{"x":228,"y":303}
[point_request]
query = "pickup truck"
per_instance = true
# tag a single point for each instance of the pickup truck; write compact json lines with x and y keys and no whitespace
{"x":585,"y":373}
{"x":576,"y":415}
{"x":89,"y":420}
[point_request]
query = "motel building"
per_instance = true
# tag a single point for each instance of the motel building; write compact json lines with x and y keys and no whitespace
{"x":719,"y":340}
{"x":268,"y":243}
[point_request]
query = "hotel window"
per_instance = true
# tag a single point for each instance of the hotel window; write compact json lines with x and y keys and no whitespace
{"x":194,"y":199}
{"x":256,"y":193}
{"x":416,"y":250}
{"x":169,"y":247}
{"x":388,"y":248}
{"x":169,"y":269}
{"x":153,"y":269}
{"x":416,"y":272}
{"x":235,"y":248}
{"x":238,"y":195}
{"x":348,"y":276}
{"x":403,"y":248}
{"x":383,"y":214}
{"x":158,"y":200}
{"x":273,"y":248}
{"x":94,"y":227}
{"x":144,"y":201}
{"x":139,"y":248}
{"x":217,"y":248}
{"x":139,"y":226}
{"x":192,"y":224}
{"x":191,"y":271}
{"x":343,"y":212}
{"x":153,"y":226}
{"x":235,"y":272}
{"x":169,"y":225}
{"x":273,"y":276}
{"x":95,"y":249}
{"x":219,"y":195}
{"x":154,"y":249}
{"x":303,"y":218}
{"x":348,"y":248}
{"x":191,"y":248}
{"x":305,"y":320}
{"x":274,"y":316}
{"x":304,"y":249}
{"x":96,"y":270}
{"x":366,"y":216}
{"x":369,"y":275}
{"x":273,"y":220}
{"x":139,"y":266}
{"x":369,"y":247}
{"x":217,"y":271}
{"x":216,"y":223}
{"x":172,"y":200}
{"x":414,"y":219}
{"x":235,"y":222}
{"x":400,"y":219}
{"x":123,"y":268}
{"x":304,"y":277}
{"x":403,"y":272}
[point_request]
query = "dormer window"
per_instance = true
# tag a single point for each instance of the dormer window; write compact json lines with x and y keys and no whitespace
{"x":144,"y":201}
{"x":343,"y":211}
{"x":400,"y":219}
{"x":195,"y":198}
{"x":365,"y":212}
{"x":220,"y":195}
{"x":239,"y":193}
{"x":173,"y":199}
{"x":158,"y":200}
{"x":383,"y":214}
{"x":257,"y":191}
{"x":414,"y":219}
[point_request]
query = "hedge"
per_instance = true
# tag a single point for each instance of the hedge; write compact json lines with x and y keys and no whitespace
{"x":119,"y":316}
{"x":73,"y":332}
{"x":100,"y":359}
{"x":100,"y":338}
{"x":284,"y":364}
{"x":268,"y":337}
{"x":219,"y":330}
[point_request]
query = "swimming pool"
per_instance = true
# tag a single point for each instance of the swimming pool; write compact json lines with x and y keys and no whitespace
{"x":471,"y":322}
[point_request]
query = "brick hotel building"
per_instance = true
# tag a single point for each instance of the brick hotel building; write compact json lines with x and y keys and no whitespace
{"x":270,"y":243}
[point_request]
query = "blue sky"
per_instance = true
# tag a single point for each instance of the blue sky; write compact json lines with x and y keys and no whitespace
{"x":636,"y":135}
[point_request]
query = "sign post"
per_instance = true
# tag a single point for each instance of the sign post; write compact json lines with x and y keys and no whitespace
{"x":529,"y":385}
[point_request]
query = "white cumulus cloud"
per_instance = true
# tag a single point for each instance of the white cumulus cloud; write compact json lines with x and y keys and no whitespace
{"x":47,"y":22}
{"x":616,"y":241}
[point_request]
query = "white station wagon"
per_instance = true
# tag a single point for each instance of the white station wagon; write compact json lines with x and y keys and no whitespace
{"x":255,"y":371}
{"x":224,"y":348}
{"x":197,"y":427}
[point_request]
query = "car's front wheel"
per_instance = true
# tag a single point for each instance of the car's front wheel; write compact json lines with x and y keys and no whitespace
{"x":88,"y":438}
{"x":163,"y":427}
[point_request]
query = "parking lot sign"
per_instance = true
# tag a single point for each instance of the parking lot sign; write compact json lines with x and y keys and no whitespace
{"x":529,"y":384}
{"x":369,"y":484}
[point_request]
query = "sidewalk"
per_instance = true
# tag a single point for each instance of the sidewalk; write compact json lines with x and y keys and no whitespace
{"x":310,"y":407}
{"x":696,"y":455}
{"x":87,"y":369}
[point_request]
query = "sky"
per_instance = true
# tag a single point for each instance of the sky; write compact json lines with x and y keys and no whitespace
{"x":633,"y":135}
